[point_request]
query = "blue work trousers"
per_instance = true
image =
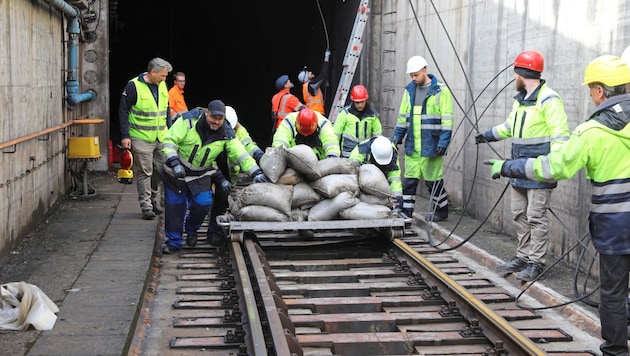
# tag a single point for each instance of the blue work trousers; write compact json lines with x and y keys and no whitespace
{"x":175,"y":219}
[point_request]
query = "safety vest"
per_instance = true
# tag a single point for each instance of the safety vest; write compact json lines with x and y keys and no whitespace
{"x":314,"y":102}
{"x":282,"y":104}
{"x":147,"y":119}
{"x":287,"y":131}
{"x":350,"y":129}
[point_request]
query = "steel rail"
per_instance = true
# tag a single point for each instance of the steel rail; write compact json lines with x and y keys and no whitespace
{"x":494,"y":327}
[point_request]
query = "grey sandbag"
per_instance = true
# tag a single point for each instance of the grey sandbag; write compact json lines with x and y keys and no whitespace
{"x":328,"y":209}
{"x":303,"y":159}
{"x":304,"y":195}
{"x":260,"y":213}
{"x":373,"y":199}
{"x":290,"y":177}
{"x":273,"y":163}
{"x":337,"y":165}
{"x":365,"y":211}
{"x":333,"y":184}
{"x":277,"y":196}
{"x":298,"y":214}
{"x":373,"y":181}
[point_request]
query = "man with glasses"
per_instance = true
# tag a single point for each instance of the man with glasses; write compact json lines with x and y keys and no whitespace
{"x":176,"y":101}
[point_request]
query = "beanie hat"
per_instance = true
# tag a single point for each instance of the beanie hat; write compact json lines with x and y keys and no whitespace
{"x":303,"y":76}
{"x":281,"y":81}
{"x":527,"y":73}
{"x":216,"y":107}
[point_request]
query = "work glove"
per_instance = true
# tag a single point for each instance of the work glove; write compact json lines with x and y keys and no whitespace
{"x":221,"y":183}
{"x":440,"y":151}
{"x":258,"y":155}
{"x":497,"y":165}
{"x":331,"y":156}
{"x":259,"y":177}
{"x":480,"y":138}
{"x":398,"y":204}
{"x":176,"y":166}
{"x":326,"y":55}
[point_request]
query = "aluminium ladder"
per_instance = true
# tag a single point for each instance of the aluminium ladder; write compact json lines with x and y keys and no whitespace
{"x":350,"y":60}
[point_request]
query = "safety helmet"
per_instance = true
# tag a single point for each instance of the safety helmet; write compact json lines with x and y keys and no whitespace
{"x":230,"y":116}
{"x":415,"y":64}
{"x":303,"y":75}
{"x":306,"y":122}
{"x":626,"y":55}
{"x":382,"y":150}
{"x":359,"y":93}
{"x":531,"y":60}
{"x":608,"y":70}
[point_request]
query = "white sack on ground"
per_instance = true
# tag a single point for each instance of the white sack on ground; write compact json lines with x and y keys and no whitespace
{"x":365,"y":211}
{"x":304,"y":195}
{"x":331,"y":185}
{"x":373,"y":181}
{"x":277,"y":196}
{"x":273,"y":163}
{"x":303,"y":159}
{"x":328,"y":209}
{"x":23,"y":305}
{"x":373,"y":199}
{"x":260,"y":213}
{"x":337,"y":165}
{"x":290,"y":177}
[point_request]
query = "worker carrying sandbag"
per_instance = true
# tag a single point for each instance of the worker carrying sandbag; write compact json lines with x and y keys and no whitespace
{"x":309,"y":128}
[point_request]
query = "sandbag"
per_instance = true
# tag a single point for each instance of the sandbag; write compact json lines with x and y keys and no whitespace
{"x":365,"y":211}
{"x":304,"y":195}
{"x":260,"y":213}
{"x":303,"y":159}
{"x":373,"y":199}
{"x":331,"y":185}
{"x":277,"y":196}
{"x":336,"y":165}
{"x":373,"y":181}
{"x":299,"y":214}
{"x":273,"y":163}
{"x":290,"y":177}
{"x":328,"y":209}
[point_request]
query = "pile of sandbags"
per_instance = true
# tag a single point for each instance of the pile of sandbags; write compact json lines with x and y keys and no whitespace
{"x":303,"y":188}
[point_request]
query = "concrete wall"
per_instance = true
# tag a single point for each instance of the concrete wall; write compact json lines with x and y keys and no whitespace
{"x":33,"y":63}
{"x":470,"y":45}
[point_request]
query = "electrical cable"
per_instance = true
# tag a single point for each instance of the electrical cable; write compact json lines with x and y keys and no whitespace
{"x":321,"y":14}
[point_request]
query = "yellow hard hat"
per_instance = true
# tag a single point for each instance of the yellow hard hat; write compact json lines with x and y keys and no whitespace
{"x":607,"y":69}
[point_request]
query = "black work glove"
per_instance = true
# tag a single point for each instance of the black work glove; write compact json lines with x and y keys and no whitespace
{"x":176,"y":166}
{"x":480,"y":138}
{"x":398,"y":204}
{"x":440,"y":151}
{"x":258,"y":155}
{"x":221,"y":183}
{"x":259,"y":177}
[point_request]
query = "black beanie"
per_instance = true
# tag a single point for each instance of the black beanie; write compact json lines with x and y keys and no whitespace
{"x":527,"y":73}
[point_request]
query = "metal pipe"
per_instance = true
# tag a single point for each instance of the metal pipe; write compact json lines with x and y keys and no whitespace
{"x":67,"y":9}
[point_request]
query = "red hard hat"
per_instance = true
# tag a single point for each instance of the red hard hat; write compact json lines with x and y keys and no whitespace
{"x":532,"y":60}
{"x":306,"y":122}
{"x":359,"y":93}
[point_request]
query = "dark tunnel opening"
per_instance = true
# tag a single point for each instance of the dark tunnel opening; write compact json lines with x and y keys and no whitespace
{"x":229,"y":50}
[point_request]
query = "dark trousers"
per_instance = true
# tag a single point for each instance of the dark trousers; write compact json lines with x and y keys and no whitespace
{"x":175,"y":219}
{"x":438,"y":197}
{"x":220,"y":204}
{"x":613,"y":275}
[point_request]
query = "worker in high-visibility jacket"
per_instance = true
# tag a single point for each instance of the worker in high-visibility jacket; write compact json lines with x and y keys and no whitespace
{"x":382,"y":153}
{"x":283,"y":102}
{"x":312,"y":85}
{"x":143,"y":114}
{"x":537,"y":125}
{"x":191,"y":147}
{"x":357,"y":122}
{"x":309,"y":128}
{"x":601,"y":146}
{"x":229,"y":169}
{"x":426,"y":119}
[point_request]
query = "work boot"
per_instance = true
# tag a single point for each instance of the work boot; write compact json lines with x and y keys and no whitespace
{"x":148,"y":215}
{"x":514,"y":265}
{"x":168,"y":249}
{"x":157,"y":209}
{"x":191,"y":240}
{"x":530,"y":273}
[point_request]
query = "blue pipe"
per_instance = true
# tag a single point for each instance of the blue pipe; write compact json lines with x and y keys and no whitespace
{"x":73,"y":30}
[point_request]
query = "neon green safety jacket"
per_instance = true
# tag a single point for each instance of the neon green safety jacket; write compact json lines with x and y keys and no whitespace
{"x":324,"y":143}
{"x":352,"y":127}
{"x":147,"y":120}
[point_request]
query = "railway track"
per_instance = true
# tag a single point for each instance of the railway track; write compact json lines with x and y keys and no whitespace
{"x":351,"y":292}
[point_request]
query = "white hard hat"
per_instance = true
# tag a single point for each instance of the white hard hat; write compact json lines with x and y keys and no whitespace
{"x":230,"y":116}
{"x":382,"y":150}
{"x":303,"y":76}
{"x":415,"y":64}
{"x":626,"y":55}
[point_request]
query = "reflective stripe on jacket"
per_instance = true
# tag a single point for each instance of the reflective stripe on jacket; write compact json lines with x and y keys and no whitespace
{"x":314,"y":102}
{"x":147,"y":119}
{"x":350,"y":129}
{"x":282,"y":104}
{"x":287,"y":132}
